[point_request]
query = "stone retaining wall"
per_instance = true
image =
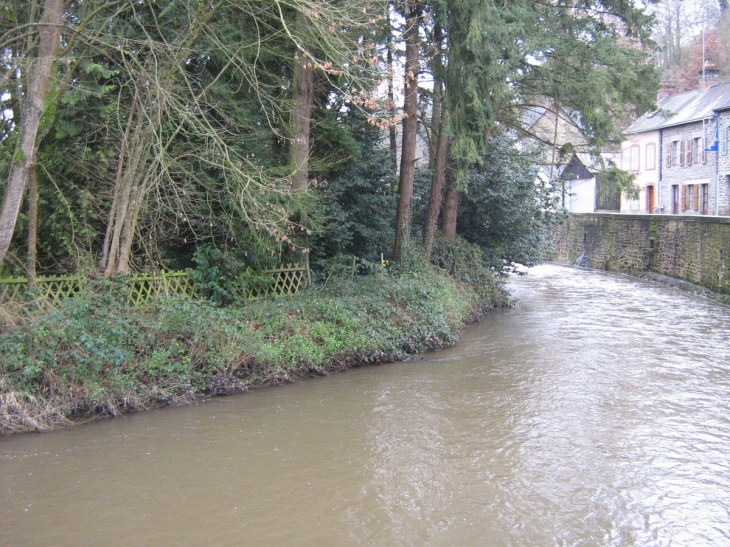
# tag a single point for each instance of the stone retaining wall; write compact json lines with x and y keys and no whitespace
{"x":696,"y":249}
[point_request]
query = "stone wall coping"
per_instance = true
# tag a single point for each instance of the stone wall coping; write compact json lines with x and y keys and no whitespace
{"x":665,"y":218}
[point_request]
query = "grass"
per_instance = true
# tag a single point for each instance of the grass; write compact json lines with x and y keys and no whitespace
{"x":94,"y":356}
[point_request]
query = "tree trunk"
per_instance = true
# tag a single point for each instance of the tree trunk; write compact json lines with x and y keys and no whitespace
{"x":438,"y":97}
{"x":451,"y":209}
{"x":125,"y":210}
{"x":433,"y":143}
{"x":32,"y":226}
{"x":137,"y":198}
{"x":116,"y":200}
{"x":410,"y":129}
{"x":129,"y":194}
{"x":391,"y":107}
{"x":438,"y":147}
{"x":303,"y":94}
{"x":437,"y":185}
{"x":49,"y":32}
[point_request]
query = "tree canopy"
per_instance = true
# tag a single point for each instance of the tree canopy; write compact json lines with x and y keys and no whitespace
{"x":134,"y":132}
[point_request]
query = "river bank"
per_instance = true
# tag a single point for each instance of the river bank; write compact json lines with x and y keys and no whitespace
{"x":94,"y":356}
{"x":544,"y":425}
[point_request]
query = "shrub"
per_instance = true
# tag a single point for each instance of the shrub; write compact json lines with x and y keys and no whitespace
{"x":93,"y":354}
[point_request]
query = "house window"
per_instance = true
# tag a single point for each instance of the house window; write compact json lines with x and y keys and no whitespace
{"x":634,"y":203}
{"x":705,"y":199}
{"x":725,"y":140}
{"x":675,"y":199}
{"x":650,"y":156}
{"x":635,"y":164}
{"x":682,"y":151}
{"x":674,"y":153}
{"x":698,"y":151}
{"x":690,"y":198}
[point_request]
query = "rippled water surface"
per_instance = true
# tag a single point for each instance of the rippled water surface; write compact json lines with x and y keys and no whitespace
{"x":597,"y":412}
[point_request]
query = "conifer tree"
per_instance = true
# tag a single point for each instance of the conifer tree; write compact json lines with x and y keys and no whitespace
{"x":412,"y":11}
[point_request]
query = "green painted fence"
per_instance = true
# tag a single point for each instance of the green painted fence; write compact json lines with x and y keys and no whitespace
{"x":284,"y":281}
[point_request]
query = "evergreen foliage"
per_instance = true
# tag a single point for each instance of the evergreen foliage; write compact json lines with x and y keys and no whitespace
{"x":168,"y":124}
{"x":505,"y":211}
{"x":359,"y":206}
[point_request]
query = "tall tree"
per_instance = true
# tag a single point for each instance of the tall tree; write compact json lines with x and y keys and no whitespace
{"x":49,"y":29}
{"x":412,"y":11}
{"x":302,"y":96}
{"x":506,"y":211}
{"x":178,"y":115}
{"x":594,"y":57}
{"x":392,"y":132}
{"x":710,"y":48}
{"x":440,"y":130}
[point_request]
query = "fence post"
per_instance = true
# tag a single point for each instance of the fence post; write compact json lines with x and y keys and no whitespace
{"x":164,"y":283}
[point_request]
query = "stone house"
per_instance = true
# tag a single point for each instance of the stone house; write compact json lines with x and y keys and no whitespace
{"x":723,"y":156}
{"x":640,"y":153}
{"x":679,"y":173}
{"x":559,"y":133}
{"x":688,"y":180}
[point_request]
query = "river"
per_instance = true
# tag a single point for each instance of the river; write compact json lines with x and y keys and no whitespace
{"x":596,"y":412}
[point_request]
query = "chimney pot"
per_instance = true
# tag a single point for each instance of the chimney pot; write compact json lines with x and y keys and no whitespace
{"x":709,"y":74}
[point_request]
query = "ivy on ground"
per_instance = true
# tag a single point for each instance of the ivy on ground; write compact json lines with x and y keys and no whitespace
{"x":93,"y":355}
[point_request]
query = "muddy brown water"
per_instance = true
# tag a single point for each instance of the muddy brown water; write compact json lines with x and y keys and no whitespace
{"x":597,"y":412}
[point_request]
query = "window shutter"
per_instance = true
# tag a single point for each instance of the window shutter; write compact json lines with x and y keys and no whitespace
{"x":682,"y":151}
{"x":704,"y":152}
{"x":696,"y":190}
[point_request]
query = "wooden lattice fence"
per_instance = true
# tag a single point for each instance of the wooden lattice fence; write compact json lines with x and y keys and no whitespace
{"x":51,"y":288}
{"x":146,"y":287}
{"x":285,"y":281}
{"x":143,"y":288}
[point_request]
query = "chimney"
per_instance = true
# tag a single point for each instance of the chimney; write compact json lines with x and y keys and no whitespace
{"x":709,"y":74}
{"x":665,"y":91}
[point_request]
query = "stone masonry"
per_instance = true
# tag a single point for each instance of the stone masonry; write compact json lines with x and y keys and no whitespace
{"x":688,"y":173}
{"x":723,"y":161}
{"x":692,"y":248}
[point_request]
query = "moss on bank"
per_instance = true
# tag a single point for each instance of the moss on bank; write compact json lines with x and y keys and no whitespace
{"x":93,"y":356}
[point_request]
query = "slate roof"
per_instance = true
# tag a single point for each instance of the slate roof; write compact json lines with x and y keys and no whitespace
{"x":724,"y":105}
{"x":684,"y":108}
{"x":598,"y":164}
{"x":531,"y":115}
